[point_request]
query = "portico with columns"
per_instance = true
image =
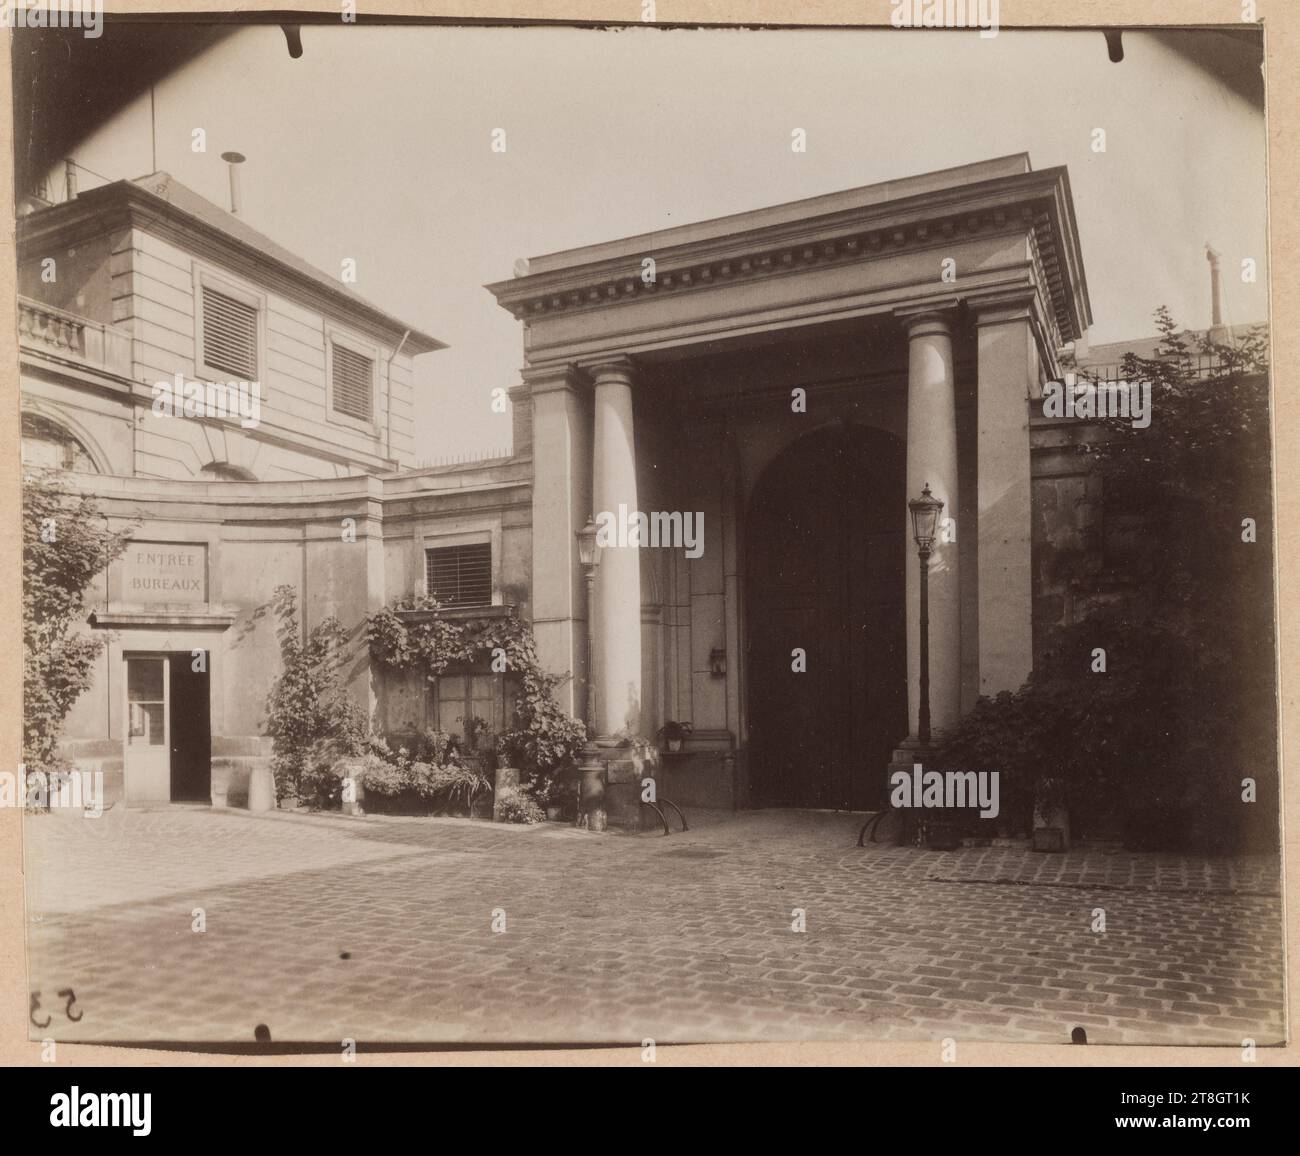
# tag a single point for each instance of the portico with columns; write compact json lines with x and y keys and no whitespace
{"x":793,"y":375}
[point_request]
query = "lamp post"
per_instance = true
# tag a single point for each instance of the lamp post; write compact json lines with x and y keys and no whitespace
{"x":925,"y":520}
{"x":589,"y":556}
{"x":591,"y":770}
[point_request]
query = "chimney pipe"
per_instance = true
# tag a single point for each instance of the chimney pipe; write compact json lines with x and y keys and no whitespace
{"x":1216,"y":306}
{"x":70,"y":178}
{"x":234,"y":160}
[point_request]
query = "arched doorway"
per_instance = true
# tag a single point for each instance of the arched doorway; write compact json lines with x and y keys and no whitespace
{"x":825,"y":557}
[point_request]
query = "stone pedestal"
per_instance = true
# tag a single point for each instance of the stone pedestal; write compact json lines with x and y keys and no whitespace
{"x":261,"y":789}
{"x":591,"y":790}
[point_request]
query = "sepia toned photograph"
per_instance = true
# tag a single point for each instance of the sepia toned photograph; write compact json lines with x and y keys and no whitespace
{"x":645,"y":535}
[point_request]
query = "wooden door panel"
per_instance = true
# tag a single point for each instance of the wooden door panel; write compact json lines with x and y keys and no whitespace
{"x":825,"y":547}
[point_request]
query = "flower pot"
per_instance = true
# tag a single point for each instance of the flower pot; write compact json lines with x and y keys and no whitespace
{"x":674,"y":745}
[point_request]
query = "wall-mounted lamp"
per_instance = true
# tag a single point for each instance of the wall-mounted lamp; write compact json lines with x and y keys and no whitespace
{"x":718,"y":663}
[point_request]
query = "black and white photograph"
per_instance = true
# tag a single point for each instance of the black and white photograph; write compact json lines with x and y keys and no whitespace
{"x":645,"y":535}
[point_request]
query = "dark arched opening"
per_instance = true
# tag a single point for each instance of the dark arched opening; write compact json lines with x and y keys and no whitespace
{"x":825,"y":558}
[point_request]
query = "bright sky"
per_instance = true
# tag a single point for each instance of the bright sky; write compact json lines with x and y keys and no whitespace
{"x":376,"y":145}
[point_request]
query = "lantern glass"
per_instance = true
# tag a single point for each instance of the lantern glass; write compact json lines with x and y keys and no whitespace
{"x":587,"y":544}
{"x":925,"y":517}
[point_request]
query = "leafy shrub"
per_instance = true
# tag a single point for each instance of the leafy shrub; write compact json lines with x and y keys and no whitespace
{"x":517,"y":806}
{"x":66,"y":543}
{"x":312,"y":721}
{"x":1156,"y":746}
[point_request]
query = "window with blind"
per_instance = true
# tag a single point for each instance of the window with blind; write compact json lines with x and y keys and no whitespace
{"x":352,"y":383}
{"x":460,"y":575}
{"x":229,"y":335}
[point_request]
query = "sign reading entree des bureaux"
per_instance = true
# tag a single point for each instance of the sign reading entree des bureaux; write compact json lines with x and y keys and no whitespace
{"x":152,"y":572}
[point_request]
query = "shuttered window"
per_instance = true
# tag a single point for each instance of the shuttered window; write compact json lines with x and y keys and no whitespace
{"x":229,"y":335}
{"x":460,"y":575}
{"x":353,"y":384}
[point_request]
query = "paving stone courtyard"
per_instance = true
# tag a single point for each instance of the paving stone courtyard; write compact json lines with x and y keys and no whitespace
{"x":389,"y":929}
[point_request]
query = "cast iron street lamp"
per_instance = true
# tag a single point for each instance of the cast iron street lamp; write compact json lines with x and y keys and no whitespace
{"x":591,"y":771}
{"x":589,"y":556}
{"x":925,"y":520}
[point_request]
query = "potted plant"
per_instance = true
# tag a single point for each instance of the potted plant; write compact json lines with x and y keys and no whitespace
{"x":673,"y":733}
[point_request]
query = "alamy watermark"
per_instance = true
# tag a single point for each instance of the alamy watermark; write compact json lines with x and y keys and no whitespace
{"x":88,"y":15}
{"x":211,"y":399}
{"x":48,"y":790}
{"x":981,"y":14}
{"x":673,"y":529}
{"x":1088,"y":400}
{"x":947,"y":789}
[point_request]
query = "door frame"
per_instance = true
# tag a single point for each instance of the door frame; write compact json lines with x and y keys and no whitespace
{"x":145,"y":796}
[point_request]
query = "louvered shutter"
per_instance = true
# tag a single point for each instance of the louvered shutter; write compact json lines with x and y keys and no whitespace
{"x":460,"y":575}
{"x":229,"y":335}
{"x":353,"y":384}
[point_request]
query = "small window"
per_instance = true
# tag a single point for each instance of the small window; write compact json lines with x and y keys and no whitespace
{"x":49,"y":446}
{"x":353,"y":384}
{"x":229,"y":335}
{"x":460,"y":575}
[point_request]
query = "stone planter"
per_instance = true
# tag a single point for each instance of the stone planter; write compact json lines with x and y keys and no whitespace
{"x":402,"y":803}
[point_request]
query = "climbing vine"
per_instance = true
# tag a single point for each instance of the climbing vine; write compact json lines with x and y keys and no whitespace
{"x":542,"y":741}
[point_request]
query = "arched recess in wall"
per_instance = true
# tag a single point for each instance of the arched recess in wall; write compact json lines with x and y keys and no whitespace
{"x":53,"y":441}
{"x":792,"y":432}
{"x":225,"y":472}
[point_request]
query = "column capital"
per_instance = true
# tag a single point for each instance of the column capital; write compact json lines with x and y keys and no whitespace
{"x":999,"y":308}
{"x":611,"y":367}
{"x":549,"y":378}
{"x":939,"y":317}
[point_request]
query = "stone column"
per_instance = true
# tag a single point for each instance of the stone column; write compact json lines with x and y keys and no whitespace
{"x":617,"y":648}
{"x":1008,"y":376}
{"x":932,"y":459}
{"x":561,"y":504}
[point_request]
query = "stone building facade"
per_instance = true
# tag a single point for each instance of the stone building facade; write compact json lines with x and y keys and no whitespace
{"x":128,"y":286}
{"x":787,"y":377}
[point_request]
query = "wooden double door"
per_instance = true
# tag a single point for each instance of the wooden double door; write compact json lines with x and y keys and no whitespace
{"x":825,"y":540}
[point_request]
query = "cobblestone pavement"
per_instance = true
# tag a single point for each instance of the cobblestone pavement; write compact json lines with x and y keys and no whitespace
{"x":381,"y":930}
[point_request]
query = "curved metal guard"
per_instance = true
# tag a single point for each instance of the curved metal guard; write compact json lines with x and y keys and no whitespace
{"x":873,"y":823}
{"x":664,"y":818}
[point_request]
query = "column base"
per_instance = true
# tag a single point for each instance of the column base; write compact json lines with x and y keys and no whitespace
{"x":610,"y":787}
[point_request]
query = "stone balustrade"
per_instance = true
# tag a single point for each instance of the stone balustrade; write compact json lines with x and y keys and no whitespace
{"x":51,"y":330}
